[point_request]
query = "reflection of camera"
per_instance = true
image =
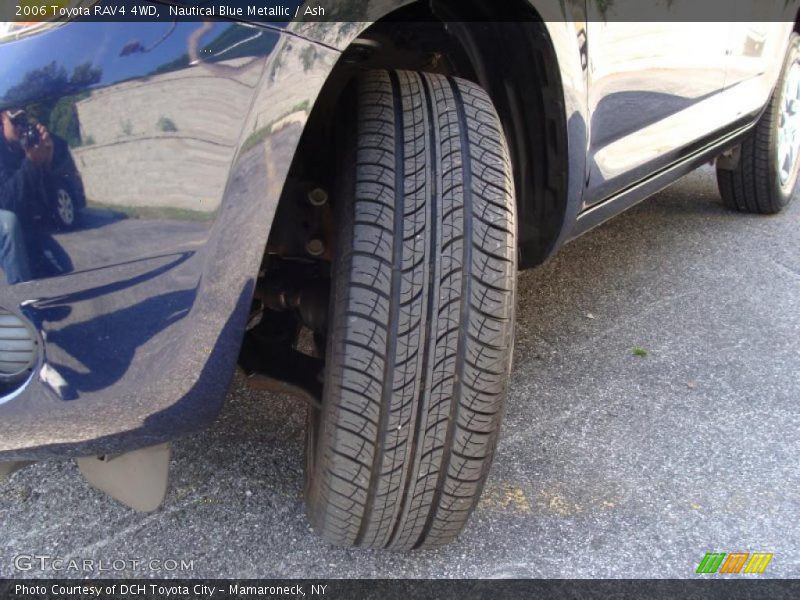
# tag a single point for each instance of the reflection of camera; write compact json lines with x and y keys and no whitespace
{"x":29,"y":134}
{"x":29,"y":137}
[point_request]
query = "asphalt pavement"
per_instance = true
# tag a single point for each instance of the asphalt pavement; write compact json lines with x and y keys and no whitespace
{"x":653,"y":416}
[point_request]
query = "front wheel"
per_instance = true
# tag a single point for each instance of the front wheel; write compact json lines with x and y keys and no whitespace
{"x":422,"y":313}
{"x":765,"y":177}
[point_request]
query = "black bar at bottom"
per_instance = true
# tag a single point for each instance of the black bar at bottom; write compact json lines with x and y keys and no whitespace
{"x":387,"y":589}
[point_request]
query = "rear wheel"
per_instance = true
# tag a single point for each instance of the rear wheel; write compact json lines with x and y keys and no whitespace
{"x":764,"y":178}
{"x":420,"y":340}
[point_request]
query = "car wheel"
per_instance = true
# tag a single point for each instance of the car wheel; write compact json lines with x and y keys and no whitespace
{"x":765,"y":177}
{"x":419,"y":346}
{"x":64,"y":209}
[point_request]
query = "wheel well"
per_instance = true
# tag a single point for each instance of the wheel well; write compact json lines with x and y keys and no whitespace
{"x":526,"y":91}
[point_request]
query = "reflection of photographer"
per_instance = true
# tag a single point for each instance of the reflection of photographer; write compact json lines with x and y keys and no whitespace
{"x":26,"y":155}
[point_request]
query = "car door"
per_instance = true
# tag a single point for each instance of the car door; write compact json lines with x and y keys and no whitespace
{"x":653,"y":89}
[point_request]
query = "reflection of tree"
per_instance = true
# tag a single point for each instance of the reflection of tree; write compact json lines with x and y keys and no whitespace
{"x":307,"y":55}
{"x":49,"y":94}
{"x":85,"y":75}
{"x":63,"y":121}
{"x":52,"y":81}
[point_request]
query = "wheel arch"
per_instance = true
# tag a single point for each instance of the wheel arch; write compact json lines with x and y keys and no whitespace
{"x":540,"y":94}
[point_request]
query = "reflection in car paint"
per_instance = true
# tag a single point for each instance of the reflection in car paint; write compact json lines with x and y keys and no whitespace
{"x":181,"y":144}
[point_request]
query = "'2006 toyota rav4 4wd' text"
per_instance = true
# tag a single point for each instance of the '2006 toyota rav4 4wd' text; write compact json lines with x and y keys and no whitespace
{"x":341,"y":208}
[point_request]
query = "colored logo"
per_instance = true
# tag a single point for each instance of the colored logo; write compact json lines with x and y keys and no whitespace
{"x":735,"y":562}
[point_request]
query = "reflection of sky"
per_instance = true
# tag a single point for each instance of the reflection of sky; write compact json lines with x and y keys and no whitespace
{"x":100,"y":44}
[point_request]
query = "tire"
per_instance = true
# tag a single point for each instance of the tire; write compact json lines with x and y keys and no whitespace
{"x":755,"y":184}
{"x":422,"y":310}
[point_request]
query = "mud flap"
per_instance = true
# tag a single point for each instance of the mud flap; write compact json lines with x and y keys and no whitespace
{"x":137,"y":479}
{"x":7,"y":468}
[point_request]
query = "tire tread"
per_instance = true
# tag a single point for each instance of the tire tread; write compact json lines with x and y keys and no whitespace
{"x":432,"y":249}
